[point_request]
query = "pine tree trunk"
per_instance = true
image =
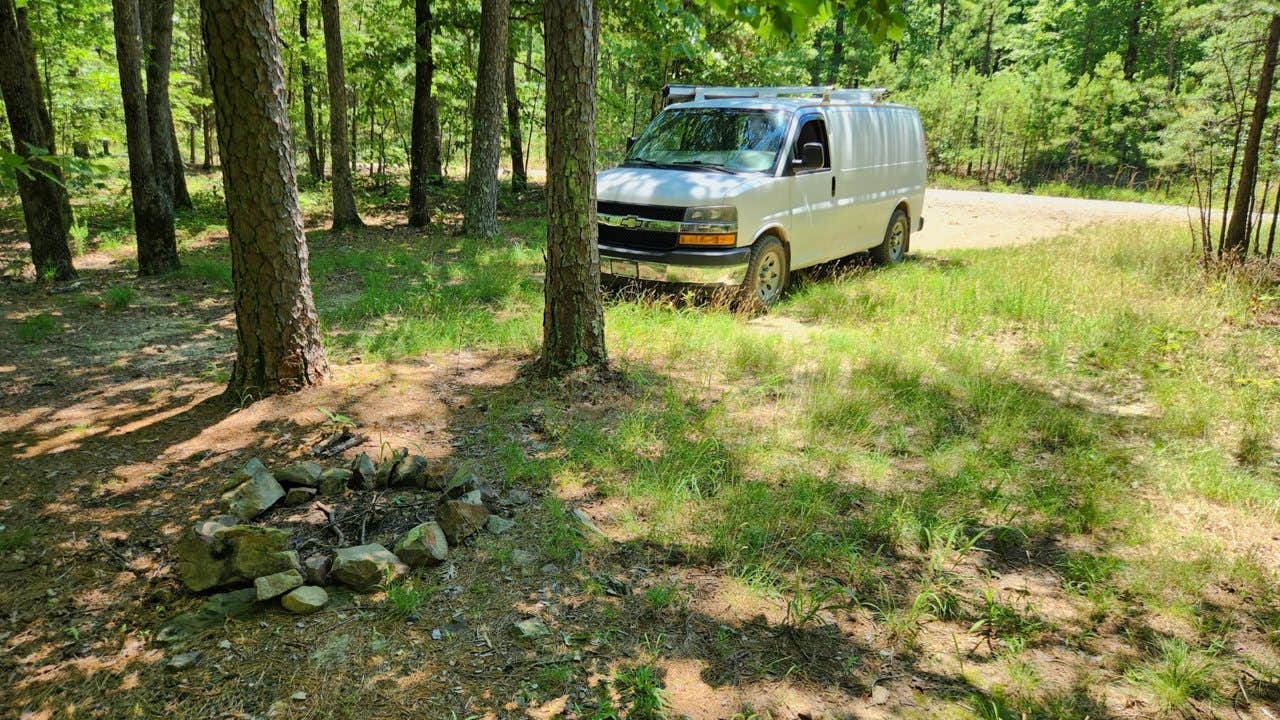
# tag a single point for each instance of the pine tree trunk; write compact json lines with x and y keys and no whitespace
{"x":152,"y":201}
{"x":344,"y":199}
{"x":181,"y":195}
{"x":480,"y":212}
{"x":1132,"y":39}
{"x":278,"y":345}
{"x":46,"y":208}
{"x":837,"y":48}
{"x":573,"y":319}
{"x":1236,"y":242}
{"x":425,"y":122}
{"x":519,"y":179}
{"x":156,"y":20}
{"x":314,"y":165}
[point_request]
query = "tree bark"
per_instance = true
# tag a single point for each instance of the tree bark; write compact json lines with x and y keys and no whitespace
{"x":152,"y":198}
{"x":480,"y":212}
{"x":181,"y":195}
{"x":1236,"y":242}
{"x":1132,"y":39}
{"x":573,"y":319}
{"x":344,"y":199}
{"x":156,"y":20}
{"x":519,"y":179}
{"x":278,"y":344}
{"x":425,"y":141}
{"x":46,"y":209}
{"x":314,"y":164}
{"x":837,"y":48}
{"x":942,"y":22}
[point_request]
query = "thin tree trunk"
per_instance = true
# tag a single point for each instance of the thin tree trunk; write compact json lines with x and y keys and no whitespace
{"x":837,"y":48}
{"x":46,"y":209}
{"x":480,"y":211}
{"x":1236,"y":242}
{"x":519,"y":179}
{"x":421,"y":142}
{"x":942,"y":22}
{"x":181,"y":195}
{"x":278,"y":345}
{"x":1275,"y":219}
{"x":152,"y":204}
{"x":573,"y":319}
{"x":156,"y":19}
{"x":1132,"y":39}
{"x":314,"y":166}
{"x":344,"y":199}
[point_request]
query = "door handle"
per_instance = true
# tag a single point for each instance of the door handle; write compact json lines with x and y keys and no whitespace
{"x":833,"y":187}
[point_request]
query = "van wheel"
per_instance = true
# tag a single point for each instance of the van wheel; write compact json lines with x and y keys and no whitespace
{"x":767,"y":274}
{"x":897,"y":238}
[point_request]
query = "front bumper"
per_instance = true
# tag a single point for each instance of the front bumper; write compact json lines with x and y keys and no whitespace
{"x":726,"y":267}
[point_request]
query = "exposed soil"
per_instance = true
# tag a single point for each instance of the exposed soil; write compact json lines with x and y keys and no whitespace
{"x":971,"y":219}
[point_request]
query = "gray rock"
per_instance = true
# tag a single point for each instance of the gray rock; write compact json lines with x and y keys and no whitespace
{"x":532,"y":629}
{"x":363,"y":471}
{"x":382,"y":478}
{"x":251,"y":468}
{"x":316,"y":569}
{"x":334,"y":481}
{"x":214,"y":612}
{"x":582,"y":517}
{"x":523,"y":558}
{"x":255,"y":495}
{"x":226,"y":555}
{"x":549,"y":569}
{"x":365,"y":566}
{"x":473,"y":497}
{"x":517,"y":496}
{"x":498,"y":525}
{"x":269,"y":586}
{"x":408,"y":471}
{"x":461,"y":520}
{"x":423,"y":545}
{"x":306,"y":474}
{"x":305,"y":600}
{"x":183,"y":661}
{"x":206,"y":528}
{"x":299,"y":496}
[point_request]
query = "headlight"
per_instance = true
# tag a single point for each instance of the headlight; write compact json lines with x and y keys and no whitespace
{"x":717,"y":214}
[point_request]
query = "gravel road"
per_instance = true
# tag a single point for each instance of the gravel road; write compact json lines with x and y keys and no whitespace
{"x":968,"y":219}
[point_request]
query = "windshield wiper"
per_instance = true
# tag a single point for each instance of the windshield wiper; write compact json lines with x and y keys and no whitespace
{"x":702,"y":164}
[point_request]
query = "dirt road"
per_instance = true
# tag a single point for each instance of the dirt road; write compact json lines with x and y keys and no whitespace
{"x":968,"y":219}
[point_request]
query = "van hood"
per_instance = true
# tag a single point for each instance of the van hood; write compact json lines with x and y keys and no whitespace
{"x":658,"y":186}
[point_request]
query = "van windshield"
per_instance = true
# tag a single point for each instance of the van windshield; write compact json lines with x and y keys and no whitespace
{"x":723,"y":139}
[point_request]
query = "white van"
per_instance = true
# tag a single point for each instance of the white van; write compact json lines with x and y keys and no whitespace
{"x":740,"y":186}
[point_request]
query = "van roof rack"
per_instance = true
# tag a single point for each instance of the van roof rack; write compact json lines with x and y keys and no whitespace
{"x":828,"y":93}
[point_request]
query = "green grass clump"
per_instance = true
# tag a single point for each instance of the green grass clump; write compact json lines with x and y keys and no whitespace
{"x":37,"y":328}
{"x":641,"y":691}
{"x":1176,"y":674}
{"x":406,"y":596}
{"x":119,"y":297}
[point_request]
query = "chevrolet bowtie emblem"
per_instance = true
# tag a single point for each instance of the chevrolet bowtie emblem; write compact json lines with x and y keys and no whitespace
{"x":630,"y":222}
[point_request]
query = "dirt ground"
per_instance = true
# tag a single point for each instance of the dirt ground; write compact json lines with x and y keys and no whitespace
{"x":115,"y":438}
{"x":972,"y":219}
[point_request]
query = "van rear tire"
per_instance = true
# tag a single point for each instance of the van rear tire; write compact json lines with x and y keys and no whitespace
{"x":768,"y":272}
{"x":897,"y":239}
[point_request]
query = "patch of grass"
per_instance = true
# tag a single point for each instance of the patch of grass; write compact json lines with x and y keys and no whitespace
{"x":1176,"y":674}
{"x":406,"y":596}
{"x":37,"y":328}
{"x":1084,"y":572}
{"x":14,"y":539}
{"x":119,"y":297}
{"x":666,"y":597}
{"x":641,"y":691}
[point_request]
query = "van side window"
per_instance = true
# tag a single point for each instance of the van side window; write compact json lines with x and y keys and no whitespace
{"x":814,"y":130}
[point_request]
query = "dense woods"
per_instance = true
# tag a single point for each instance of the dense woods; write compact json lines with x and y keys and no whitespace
{"x":1169,"y":99}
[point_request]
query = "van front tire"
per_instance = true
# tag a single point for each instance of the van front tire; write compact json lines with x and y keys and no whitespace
{"x":767,"y":274}
{"x":897,"y":238}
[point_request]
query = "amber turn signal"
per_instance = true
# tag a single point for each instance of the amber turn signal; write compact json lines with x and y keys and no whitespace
{"x":708,"y":239}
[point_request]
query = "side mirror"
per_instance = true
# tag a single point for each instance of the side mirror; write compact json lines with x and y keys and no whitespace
{"x":812,"y":157}
{"x":631,"y":142}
